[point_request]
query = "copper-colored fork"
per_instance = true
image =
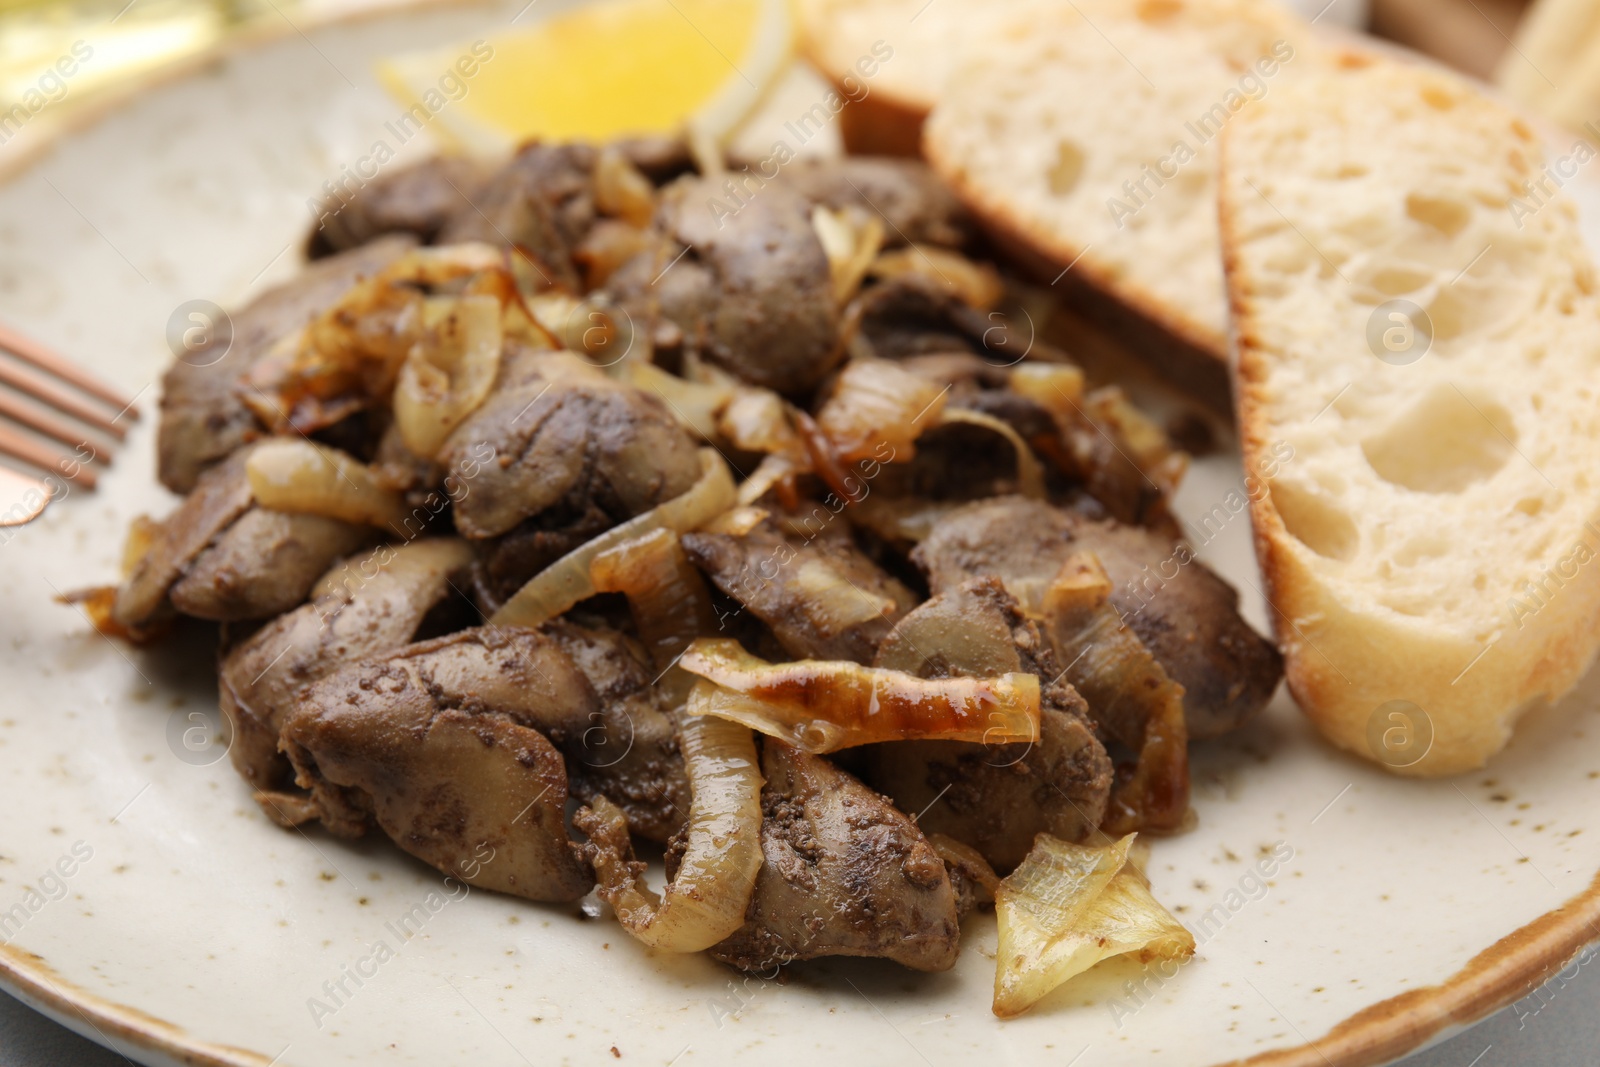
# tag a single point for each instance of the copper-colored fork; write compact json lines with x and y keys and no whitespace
{"x":55,"y":417}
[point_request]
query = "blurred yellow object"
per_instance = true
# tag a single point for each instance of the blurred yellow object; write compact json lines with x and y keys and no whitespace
{"x":1553,"y":66}
{"x":56,"y":55}
{"x":36,"y":37}
{"x":604,"y":70}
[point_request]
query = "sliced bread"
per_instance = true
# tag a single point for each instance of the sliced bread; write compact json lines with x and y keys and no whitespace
{"x":1418,"y":361}
{"x":915,"y":42}
{"x":1087,"y":140}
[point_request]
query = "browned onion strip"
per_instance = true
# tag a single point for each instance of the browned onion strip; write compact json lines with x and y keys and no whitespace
{"x":296,"y":475}
{"x":1066,"y":908}
{"x":968,"y":862}
{"x":824,"y":461}
{"x":449,"y":372}
{"x":567,"y":581}
{"x":1140,"y":437}
{"x":696,"y":405}
{"x":771,"y":473}
{"x":824,"y":705}
{"x":347,"y":358}
{"x":620,"y":190}
{"x":706,"y":900}
{"x":1056,"y":387}
{"x":1030,"y":474}
{"x":519,"y":321}
{"x":851,"y":244}
{"x":99,"y":604}
{"x":757,"y":420}
{"x":667,"y":596}
{"x":142,"y":534}
{"x":1129,"y":693}
{"x":737,"y":522}
{"x":977,"y":284}
{"x":878,"y":403}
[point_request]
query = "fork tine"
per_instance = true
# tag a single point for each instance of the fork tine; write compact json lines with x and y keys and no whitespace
{"x":42,"y":388}
{"x":20,"y":446}
{"x":59,"y":429}
{"x":63,"y":368}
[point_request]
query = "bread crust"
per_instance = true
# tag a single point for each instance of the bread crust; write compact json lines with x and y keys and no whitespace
{"x":1342,"y":666}
{"x":882,"y":123}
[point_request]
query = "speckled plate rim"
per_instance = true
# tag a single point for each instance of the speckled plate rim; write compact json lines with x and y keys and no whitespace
{"x":1497,"y":976}
{"x":119,"y":1027}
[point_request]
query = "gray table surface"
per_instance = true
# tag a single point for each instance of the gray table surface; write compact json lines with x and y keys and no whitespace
{"x":1557,"y":1027}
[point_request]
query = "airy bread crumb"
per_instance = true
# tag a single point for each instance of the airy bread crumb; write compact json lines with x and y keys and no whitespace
{"x":1088,"y":135}
{"x":1434,"y":539}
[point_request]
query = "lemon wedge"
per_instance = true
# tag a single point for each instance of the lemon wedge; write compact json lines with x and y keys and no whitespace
{"x":602,"y":70}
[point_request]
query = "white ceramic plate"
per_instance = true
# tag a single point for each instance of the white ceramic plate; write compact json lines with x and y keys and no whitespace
{"x":190,"y":930}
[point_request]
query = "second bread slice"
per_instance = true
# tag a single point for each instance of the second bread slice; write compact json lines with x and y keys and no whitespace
{"x":1086,"y":139}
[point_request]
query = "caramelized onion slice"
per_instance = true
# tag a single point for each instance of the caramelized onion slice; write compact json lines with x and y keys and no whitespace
{"x":773,"y":472}
{"x":823,"y":458}
{"x":824,"y":705}
{"x":1066,"y":908}
{"x":1125,"y":460}
{"x":834,"y":603}
{"x":1143,"y":440}
{"x":706,"y":900}
{"x":696,"y":405}
{"x":974,"y":283}
{"x":1056,"y":387}
{"x":961,"y":858}
{"x":449,"y":372}
{"x":142,"y":534}
{"x":851,"y":244}
{"x":300,"y":476}
{"x":757,"y":420}
{"x":1030,"y":474}
{"x":590,"y":326}
{"x":1130,"y":695}
{"x":99,"y":603}
{"x":737,"y":522}
{"x":878,"y":403}
{"x":666,"y":595}
{"x":606,"y":247}
{"x":347,"y":358}
{"x":568,"y":580}
{"x":621,"y":190}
